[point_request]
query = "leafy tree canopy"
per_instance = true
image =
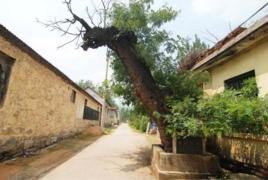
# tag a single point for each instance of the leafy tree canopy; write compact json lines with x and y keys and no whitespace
{"x":84,"y":84}
{"x":160,"y":51}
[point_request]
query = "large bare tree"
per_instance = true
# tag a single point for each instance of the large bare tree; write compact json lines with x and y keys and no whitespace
{"x":123,"y":43}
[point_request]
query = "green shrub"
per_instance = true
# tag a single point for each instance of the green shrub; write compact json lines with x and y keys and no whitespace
{"x":138,"y":121}
{"x":182,"y":119}
{"x":250,"y":89}
{"x":233,"y":111}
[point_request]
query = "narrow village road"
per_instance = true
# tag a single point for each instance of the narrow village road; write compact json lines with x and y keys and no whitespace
{"x":122,"y":155}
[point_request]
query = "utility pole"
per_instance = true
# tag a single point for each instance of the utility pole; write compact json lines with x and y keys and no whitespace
{"x":106,"y":6}
{"x":106,"y":83}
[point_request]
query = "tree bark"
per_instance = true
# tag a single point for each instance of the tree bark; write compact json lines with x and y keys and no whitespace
{"x":144,"y":86}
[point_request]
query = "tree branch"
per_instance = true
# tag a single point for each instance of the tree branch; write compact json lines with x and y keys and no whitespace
{"x":93,"y":37}
{"x":76,"y":18}
{"x":90,"y":17}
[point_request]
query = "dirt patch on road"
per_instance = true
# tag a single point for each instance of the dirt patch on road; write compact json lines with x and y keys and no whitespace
{"x":7,"y":171}
{"x":39,"y":163}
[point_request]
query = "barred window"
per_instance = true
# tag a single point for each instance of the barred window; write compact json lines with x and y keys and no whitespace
{"x":237,"y":81}
{"x":90,"y":114}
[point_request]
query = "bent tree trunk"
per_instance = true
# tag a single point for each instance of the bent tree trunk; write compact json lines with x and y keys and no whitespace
{"x":123,"y":43}
{"x":144,"y":85}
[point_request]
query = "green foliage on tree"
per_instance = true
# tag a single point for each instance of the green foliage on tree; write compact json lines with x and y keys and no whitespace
{"x":138,"y":121}
{"x":162,"y":53}
{"x":84,"y":84}
{"x":106,"y":93}
{"x":140,"y":18}
{"x":187,"y":46}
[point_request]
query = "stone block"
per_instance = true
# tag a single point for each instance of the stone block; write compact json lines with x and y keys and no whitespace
{"x":169,"y":166}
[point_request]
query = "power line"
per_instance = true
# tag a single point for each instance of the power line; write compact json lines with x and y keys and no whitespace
{"x":254,"y":14}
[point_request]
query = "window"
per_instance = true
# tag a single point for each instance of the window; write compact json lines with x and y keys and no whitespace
{"x":5,"y":69}
{"x":237,"y":81}
{"x":73,"y":96}
{"x":85,"y":102}
{"x":90,"y":114}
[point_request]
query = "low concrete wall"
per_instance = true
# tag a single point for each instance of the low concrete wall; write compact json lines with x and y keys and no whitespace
{"x":168,"y":166}
{"x":244,"y":148}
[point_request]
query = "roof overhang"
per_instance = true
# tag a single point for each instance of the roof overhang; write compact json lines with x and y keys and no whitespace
{"x":252,"y":36}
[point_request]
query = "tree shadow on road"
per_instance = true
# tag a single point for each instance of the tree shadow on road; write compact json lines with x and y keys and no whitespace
{"x":140,"y":159}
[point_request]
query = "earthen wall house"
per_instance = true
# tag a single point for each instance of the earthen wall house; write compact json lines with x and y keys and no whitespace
{"x":38,"y":104}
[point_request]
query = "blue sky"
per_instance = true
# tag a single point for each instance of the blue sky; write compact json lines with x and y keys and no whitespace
{"x":196,"y":17}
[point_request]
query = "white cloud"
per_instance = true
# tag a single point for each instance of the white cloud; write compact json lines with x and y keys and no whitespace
{"x":229,"y":10}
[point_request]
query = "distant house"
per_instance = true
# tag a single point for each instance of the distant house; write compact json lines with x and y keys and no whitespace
{"x":38,"y":103}
{"x":109,"y":114}
{"x":113,"y":116}
{"x":240,"y":55}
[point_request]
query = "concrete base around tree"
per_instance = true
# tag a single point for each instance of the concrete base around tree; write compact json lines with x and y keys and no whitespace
{"x":168,"y":166}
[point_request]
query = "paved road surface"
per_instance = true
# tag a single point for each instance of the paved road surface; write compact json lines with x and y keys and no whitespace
{"x":122,"y":155}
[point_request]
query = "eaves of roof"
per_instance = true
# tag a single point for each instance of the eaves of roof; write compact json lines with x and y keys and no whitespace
{"x":235,"y":44}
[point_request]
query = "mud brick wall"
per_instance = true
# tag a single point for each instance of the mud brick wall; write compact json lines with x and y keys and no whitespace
{"x":37,"y":108}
